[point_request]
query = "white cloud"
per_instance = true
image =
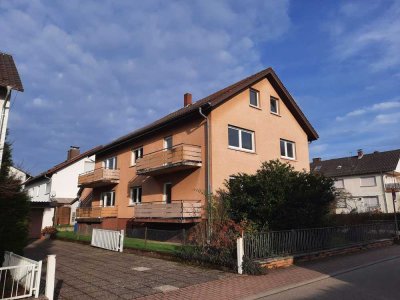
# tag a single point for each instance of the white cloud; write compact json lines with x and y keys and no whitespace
{"x":373,"y":108}
{"x":118,"y":66}
{"x":376,"y":42}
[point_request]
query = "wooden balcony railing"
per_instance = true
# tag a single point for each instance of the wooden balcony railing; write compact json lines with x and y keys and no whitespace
{"x":98,"y":177}
{"x":96,"y":212}
{"x":395,"y":186}
{"x":180,"y":210}
{"x":179,"y":157}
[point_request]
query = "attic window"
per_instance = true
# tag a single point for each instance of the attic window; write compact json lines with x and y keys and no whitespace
{"x":317,"y":168}
{"x":338,"y":167}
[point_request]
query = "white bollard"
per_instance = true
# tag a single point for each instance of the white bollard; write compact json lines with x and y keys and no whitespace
{"x":121,"y":241}
{"x":50,"y":276}
{"x":240,"y":253}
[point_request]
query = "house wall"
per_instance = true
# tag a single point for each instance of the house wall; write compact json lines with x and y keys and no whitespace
{"x":3,"y":127}
{"x":39,"y":185}
{"x":64,"y":183}
{"x":352,"y":184}
{"x":185,"y":184}
{"x":269,"y":129}
{"x":18,"y":174}
{"x":48,"y":215}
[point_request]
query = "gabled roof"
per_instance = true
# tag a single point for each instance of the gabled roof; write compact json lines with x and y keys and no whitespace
{"x":377,"y":162}
{"x":220,"y":97}
{"x":64,"y":164}
{"x":8,"y":73}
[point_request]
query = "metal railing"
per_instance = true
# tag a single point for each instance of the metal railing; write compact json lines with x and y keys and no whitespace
{"x":176,"y":209}
{"x":98,"y":177}
{"x":179,"y":155}
{"x":19,"y":277}
{"x":289,"y":242}
{"x":96,"y":212}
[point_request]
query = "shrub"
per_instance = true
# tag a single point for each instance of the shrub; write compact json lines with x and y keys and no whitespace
{"x":49,"y":230}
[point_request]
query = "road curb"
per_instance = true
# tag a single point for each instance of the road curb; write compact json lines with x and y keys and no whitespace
{"x":323,"y":277}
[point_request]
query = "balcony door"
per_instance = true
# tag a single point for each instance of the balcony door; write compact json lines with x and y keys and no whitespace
{"x":168,"y":192}
{"x":110,"y":163}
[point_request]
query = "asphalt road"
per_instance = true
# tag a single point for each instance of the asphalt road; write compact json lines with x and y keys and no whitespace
{"x":378,"y":281}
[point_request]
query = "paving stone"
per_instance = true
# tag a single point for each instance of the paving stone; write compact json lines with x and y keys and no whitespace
{"x":166,"y":288}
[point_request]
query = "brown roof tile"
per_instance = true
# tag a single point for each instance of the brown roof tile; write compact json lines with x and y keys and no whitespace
{"x":8,"y":73}
{"x":218,"y":98}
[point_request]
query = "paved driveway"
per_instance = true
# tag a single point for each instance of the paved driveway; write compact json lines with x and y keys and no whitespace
{"x":84,"y":272}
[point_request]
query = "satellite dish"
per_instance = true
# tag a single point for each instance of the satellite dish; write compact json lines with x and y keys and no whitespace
{"x":52,"y":194}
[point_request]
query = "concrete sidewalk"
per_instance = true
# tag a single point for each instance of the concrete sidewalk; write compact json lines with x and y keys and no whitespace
{"x":252,"y":287}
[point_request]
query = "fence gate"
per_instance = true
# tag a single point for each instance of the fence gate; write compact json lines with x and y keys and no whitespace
{"x":19,"y":277}
{"x":108,"y":239}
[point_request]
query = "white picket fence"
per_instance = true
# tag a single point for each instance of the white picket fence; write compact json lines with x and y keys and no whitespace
{"x":108,"y":239}
{"x":19,"y":277}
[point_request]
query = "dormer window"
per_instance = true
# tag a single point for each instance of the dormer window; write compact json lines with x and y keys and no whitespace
{"x":338,"y":167}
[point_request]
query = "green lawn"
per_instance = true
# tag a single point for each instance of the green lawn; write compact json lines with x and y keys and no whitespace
{"x":128,"y":243}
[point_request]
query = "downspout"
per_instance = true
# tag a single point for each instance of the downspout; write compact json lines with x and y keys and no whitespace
{"x":384,"y":193}
{"x":208,"y":171}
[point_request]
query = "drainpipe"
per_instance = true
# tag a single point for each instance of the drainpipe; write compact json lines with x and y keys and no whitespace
{"x":384,"y":193}
{"x":208,"y":172}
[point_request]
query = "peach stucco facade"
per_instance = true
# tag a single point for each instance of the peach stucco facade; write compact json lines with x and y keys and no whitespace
{"x":186,"y":185}
{"x":190,"y":184}
{"x":268,"y":129}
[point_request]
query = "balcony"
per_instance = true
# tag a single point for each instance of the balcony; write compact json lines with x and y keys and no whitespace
{"x":176,"y":212}
{"x":98,"y":177}
{"x":179,"y":157}
{"x":389,"y":187}
{"x":96,"y":213}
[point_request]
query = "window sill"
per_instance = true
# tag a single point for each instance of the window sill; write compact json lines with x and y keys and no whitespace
{"x":275,"y":114}
{"x":134,"y":204}
{"x":256,"y":107}
{"x":288,"y":158}
{"x":242,"y":150}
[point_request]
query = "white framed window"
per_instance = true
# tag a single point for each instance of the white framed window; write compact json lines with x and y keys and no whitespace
{"x":168,"y":142}
{"x":136,"y":194}
{"x":108,"y":199}
{"x":339,"y":183}
{"x":110,"y":163}
{"x":274,"y":105}
{"x":368,"y":181}
{"x":254,"y":98}
{"x":136,"y":154}
{"x":371,"y":202}
{"x":167,"y":196}
{"x":48,"y":188}
{"x":241,"y":139}
{"x":288,"y":149}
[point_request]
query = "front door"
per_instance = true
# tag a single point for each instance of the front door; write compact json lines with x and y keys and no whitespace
{"x":168,"y":192}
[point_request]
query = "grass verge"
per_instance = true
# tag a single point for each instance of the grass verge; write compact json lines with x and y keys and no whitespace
{"x":131,"y":243}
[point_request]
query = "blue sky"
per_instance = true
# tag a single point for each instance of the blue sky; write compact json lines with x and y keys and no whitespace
{"x":93,"y":71}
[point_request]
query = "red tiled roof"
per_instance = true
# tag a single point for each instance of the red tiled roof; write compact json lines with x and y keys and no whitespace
{"x":64,"y":164}
{"x":8,"y":73}
{"x":218,"y":98}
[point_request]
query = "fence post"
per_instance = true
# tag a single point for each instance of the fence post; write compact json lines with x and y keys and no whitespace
{"x":240,"y":253}
{"x":50,"y":276}
{"x":38,"y":278}
{"x":145,"y":238}
{"x":121,"y":241}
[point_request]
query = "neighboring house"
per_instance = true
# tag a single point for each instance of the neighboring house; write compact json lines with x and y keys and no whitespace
{"x":19,"y":174}
{"x":9,"y":80}
{"x":160,"y":175}
{"x":54,"y":192}
{"x":366,"y":180}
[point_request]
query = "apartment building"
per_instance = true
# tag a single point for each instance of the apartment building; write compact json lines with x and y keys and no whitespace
{"x":160,"y":175}
{"x":368,"y":182}
{"x":53,"y":193}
